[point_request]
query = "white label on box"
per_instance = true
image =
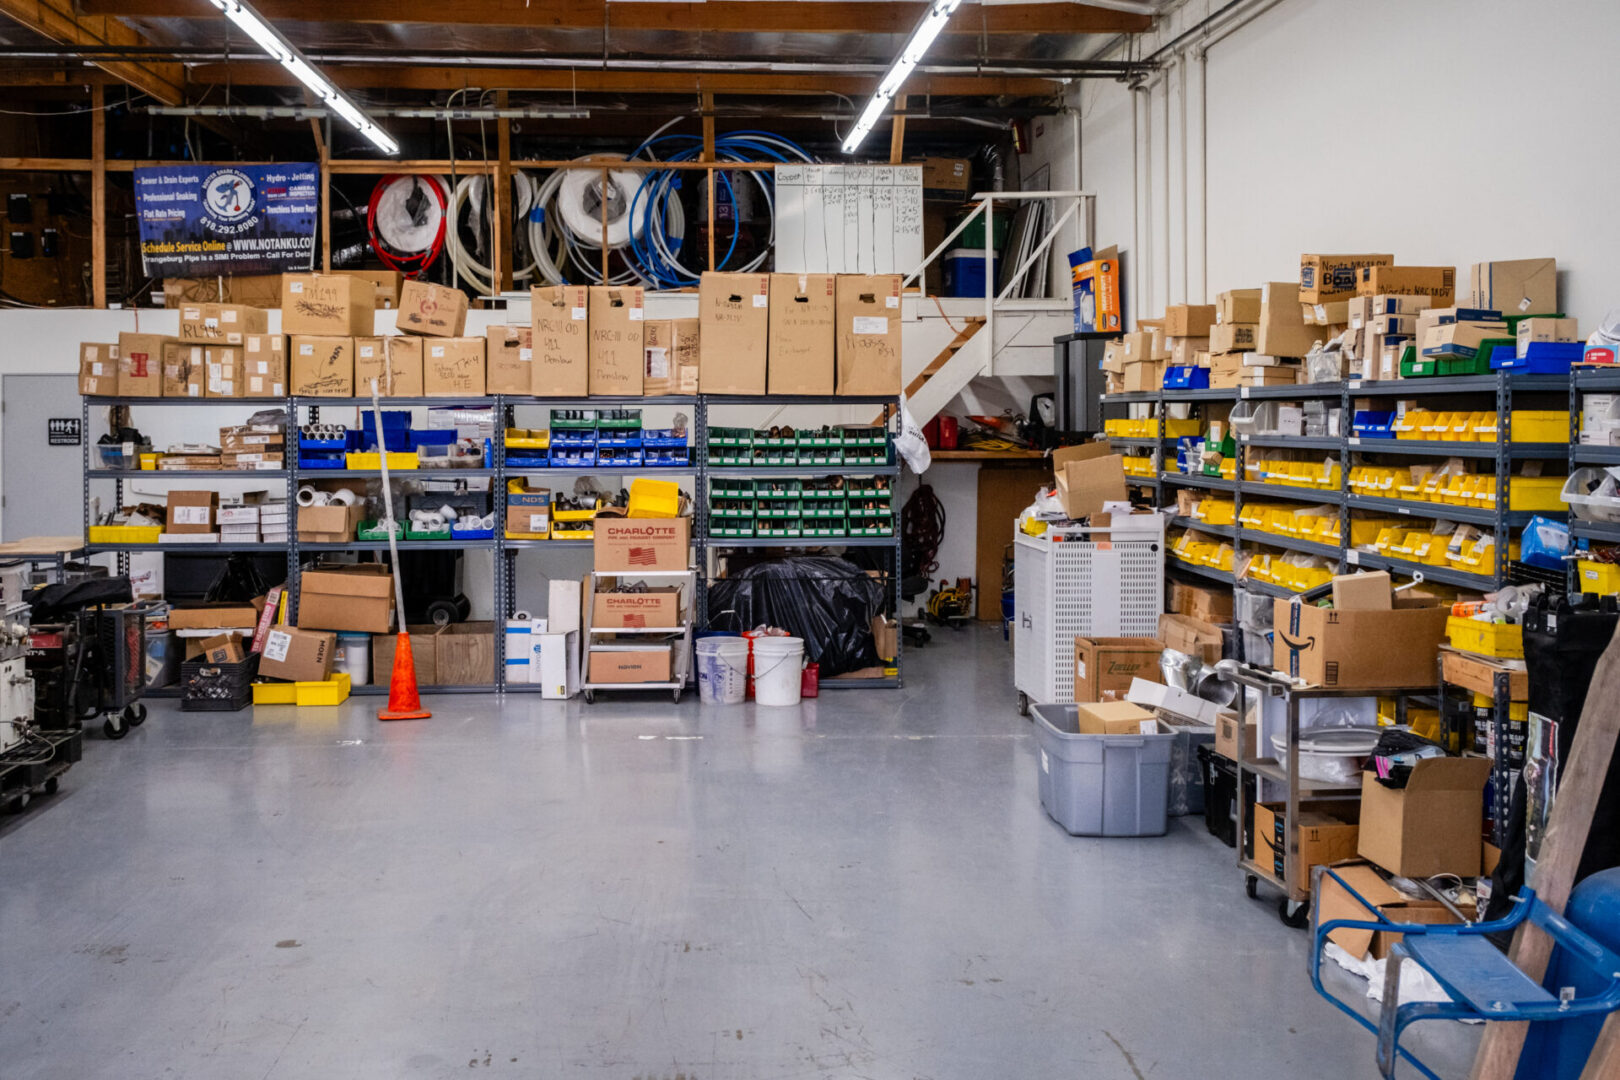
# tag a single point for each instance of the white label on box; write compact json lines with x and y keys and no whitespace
{"x":276,"y":644}
{"x":295,"y":286}
{"x":227,"y":388}
{"x":212,"y":324}
{"x":196,"y":354}
{"x":367,"y":351}
{"x":191,"y":515}
{"x":306,"y":350}
{"x":194,"y":390}
{"x":228,"y":315}
{"x":891,"y":301}
{"x":437,"y":352}
{"x":275,"y":390}
{"x":871,"y":324}
{"x":1321,"y":314}
{"x":256,"y":384}
{"x":253,"y":345}
{"x":525,"y":354}
{"x":191,"y":313}
{"x":1147,"y":727}
{"x":636,"y":314}
{"x":264,"y":367}
{"x":97,"y":369}
{"x":762,"y":301}
{"x":577,"y":314}
{"x":1524,"y":304}
{"x":538,"y":522}
{"x":1079,"y":669}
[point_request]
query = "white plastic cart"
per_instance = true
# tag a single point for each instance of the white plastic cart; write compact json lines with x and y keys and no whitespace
{"x":1104,"y":582}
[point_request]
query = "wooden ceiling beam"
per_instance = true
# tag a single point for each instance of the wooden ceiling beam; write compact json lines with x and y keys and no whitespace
{"x":56,"y":20}
{"x":386,"y":76}
{"x":733,"y":16}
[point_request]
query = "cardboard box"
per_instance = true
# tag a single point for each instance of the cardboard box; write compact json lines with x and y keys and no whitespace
{"x":254,"y":290}
{"x":563,"y":604}
{"x":191,"y":511}
{"x":1105,"y":666}
{"x":1359,"y":649}
{"x":223,"y":649}
{"x":216,"y":616}
{"x":387,"y":284}
{"x":1366,"y":591}
{"x":555,"y":664}
{"x":358,"y":598}
{"x":140,"y":364}
{"x":1327,"y":834}
{"x":803,"y":334}
{"x":453,"y":367}
{"x":669,"y":345}
{"x":1438,"y":283}
{"x":630,"y":544}
{"x":322,"y":366}
{"x":1205,"y":605}
{"x":947,"y":179}
{"x":509,"y":360}
{"x":1225,"y":370}
{"x":617,"y":356}
{"x":185,"y":373}
{"x":559,"y":316}
{"x":1516,"y":287}
{"x":1144,"y":377}
{"x":1459,"y":338}
{"x":1233,"y":337}
{"x":399,"y":374}
{"x":1184,"y":350}
{"x":885,"y":637}
{"x":423,"y":655}
{"x":1114,"y":718}
{"x":1282,"y":330}
{"x":98,"y":369}
{"x":1432,"y":825}
{"x":528,"y":510}
{"x":1336,"y":905}
{"x":465,"y":653}
{"x":1333,"y":277}
{"x":1545,"y":329}
{"x":868,"y":309}
{"x":1233,"y":738}
{"x":734,"y":310}
{"x":328,"y":305}
{"x":298,"y":655}
{"x":223,"y":324}
{"x":328,"y":524}
{"x":1087,"y":476}
{"x":1189,"y":320}
{"x":224,"y":368}
{"x":264,"y":365}
{"x":1159,"y":347}
{"x":657,"y":607}
{"x":430,"y":310}
{"x":630,"y":666}
{"x":1195,"y":637}
{"x":1098,"y":302}
{"x":1237,"y":306}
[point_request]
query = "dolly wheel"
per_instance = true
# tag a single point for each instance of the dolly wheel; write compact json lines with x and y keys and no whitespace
{"x":1023,"y":703}
{"x":114,"y":728}
{"x":1251,"y":886}
{"x":1294,"y":916}
{"x":135,"y":715}
{"x":590,"y":697}
{"x":52,"y":785}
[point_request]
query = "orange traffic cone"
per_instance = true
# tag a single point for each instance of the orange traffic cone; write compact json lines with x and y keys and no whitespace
{"x":404,"y":703}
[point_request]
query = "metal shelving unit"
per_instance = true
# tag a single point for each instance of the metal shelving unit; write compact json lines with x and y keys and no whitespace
{"x":505,"y":550}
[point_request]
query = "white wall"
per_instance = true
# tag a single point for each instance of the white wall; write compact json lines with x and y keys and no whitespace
{"x":1446,"y":132}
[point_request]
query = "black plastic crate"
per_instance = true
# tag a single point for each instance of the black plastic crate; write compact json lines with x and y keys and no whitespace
{"x":206,"y":687}
{"x":1220,"y":794}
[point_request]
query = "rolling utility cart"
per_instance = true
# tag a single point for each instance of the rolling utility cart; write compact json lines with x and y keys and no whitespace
{"x":678,"y":638}
{"x":1079,"y":581}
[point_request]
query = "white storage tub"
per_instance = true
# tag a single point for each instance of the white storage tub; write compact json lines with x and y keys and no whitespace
{"x":1101,"y":785}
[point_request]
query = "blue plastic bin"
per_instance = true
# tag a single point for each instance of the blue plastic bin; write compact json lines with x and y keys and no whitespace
{"x":962,"y":272}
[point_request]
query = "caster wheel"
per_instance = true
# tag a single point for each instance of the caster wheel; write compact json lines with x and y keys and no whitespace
{"x":590,"y":697}
{"x":1251,"y":886}
{"x":1023,"y":703}
{"x":677,"y":697}
{"x":114,"y":728}
{"x":1294,"y":916}
{"x":135,"y":715}
{"x":52,"y":785}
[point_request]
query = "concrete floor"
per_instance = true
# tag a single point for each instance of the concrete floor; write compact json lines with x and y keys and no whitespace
{"x":864,"y":886}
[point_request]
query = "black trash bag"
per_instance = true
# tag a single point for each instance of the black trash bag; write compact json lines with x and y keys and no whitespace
{"x":56,"y":602}
{"x":827,"y":601}
{"x":1562,"y":644}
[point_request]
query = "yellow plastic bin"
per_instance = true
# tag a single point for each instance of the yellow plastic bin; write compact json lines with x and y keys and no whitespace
{"x":330,"y":691}
{"x":1486,"y":639}
{"x":1599,"y":577}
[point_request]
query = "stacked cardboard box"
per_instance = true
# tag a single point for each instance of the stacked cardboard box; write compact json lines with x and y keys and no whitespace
{"x":1130,"y":365}
{"x":98,"y":369}
{"x":1187,"y":332}
{"x":253,"y":447}
{"x":1237,"y":326}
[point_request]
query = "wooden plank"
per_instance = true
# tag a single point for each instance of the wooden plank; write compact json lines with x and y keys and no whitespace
{"x":42,"y":164}
{"x":1567,"y":829}
{"x":735,"y":16}
{"x":897,"y":134}
{"x":501,"y":249}
{"x":262,"y":72}
{"x":98,"y":196}
{"x":55,"y":19}
{"x":1477,"y":673}
{"x":1004,"y":490}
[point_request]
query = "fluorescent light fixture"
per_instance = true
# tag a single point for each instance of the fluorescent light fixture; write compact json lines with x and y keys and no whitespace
{"x":928,"y":28}
{"x":282,"y":51}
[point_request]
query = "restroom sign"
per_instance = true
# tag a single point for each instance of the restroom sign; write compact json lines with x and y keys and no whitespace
{"x":64,"y":431}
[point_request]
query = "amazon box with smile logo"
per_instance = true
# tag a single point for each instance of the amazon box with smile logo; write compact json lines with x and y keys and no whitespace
{"x":1360,"y":649}
{"x":631,"y":544}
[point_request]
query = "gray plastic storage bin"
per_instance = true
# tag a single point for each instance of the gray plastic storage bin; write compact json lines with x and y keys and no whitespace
{"x":1101,"y":785}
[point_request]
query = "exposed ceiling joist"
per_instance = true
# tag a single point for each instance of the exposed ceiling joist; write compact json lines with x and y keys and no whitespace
{"x":739,"y":16}
{"x":361,"y":77}
{"x":55,"y":19}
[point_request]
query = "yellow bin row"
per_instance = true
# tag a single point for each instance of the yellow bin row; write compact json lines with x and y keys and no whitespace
{"x":329,"y":691}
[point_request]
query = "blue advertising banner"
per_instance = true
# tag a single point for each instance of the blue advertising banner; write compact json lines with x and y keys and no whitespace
{"x":203,"y":220}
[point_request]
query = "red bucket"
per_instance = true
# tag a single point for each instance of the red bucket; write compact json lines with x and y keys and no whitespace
{"x":810,"y":680}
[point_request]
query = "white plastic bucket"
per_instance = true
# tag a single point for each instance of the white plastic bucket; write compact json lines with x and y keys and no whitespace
{"x":778,"y":662}
{"x":354,"y":657}
{"x":722,"y":670}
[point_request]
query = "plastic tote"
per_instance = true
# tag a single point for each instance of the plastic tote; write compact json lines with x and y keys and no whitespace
{"x":722,"y":670}
{"x":354,"y":652}
{"x":1101,"y":785}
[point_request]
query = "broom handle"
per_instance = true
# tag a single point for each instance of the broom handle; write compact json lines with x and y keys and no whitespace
{"x":388,"y":505}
